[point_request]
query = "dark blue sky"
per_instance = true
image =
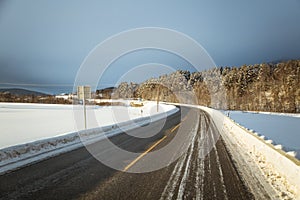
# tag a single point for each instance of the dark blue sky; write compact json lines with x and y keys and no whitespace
{"x":45,"y":41}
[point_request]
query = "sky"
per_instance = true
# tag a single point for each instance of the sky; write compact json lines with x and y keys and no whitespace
{"x":43,"y":43}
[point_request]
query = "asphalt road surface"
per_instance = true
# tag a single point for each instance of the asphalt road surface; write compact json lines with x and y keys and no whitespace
{"x":203,"y":168}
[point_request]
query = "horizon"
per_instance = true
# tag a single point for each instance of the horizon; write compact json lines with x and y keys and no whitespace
{"x":51,"y":90}
{"x":40,"y":47}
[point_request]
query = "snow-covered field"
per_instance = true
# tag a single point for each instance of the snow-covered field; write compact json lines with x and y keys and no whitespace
{"x":32,"y":132}
{"x":281,"y":128}
{"x":23,"y":123}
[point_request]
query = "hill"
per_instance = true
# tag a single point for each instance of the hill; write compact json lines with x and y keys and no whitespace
{"x":22,"y":92}
{"x":18,"y":95}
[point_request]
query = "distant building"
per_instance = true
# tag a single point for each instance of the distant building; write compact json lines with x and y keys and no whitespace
{"x":84,"y":92}
{"x":64,"y":96}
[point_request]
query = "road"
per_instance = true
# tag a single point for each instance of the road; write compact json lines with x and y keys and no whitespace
{"x":199,"y":172}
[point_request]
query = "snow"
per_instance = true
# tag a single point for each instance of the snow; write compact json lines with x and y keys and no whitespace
{"x":275,"y":113}
{"x":31,"y":132}
{"x":23,"y":123}
{"x":280,"y":174}
{"x":283,"y":129}
{"x":29,"y":122}
{"x":263,"y":167}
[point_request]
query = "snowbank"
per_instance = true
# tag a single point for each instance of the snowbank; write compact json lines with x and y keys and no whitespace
{"x":57,"y":142}
{"x":281,"y":170}
{"x":278,"y":129}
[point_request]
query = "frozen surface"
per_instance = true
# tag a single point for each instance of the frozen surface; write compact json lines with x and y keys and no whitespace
{"x":281,"y":128}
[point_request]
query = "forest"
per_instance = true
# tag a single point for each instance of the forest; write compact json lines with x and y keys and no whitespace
{"x":271,"y":87}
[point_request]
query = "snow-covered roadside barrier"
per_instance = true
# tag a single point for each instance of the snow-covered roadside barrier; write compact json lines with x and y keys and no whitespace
{"x":14,"y":157}
{"x":279,"y":129}
{"x":280,"y":173}
{"x":281,"y":170}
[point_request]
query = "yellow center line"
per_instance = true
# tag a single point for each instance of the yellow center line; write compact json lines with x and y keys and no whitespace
{"x":150,"y":148}
{"x":143,"y":154}
{"x":173,"y":129}
{"x":184,"y":118}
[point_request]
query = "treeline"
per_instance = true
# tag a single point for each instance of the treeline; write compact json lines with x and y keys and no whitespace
{"x":264,"y":87}
{"x":18,"y":98}
{"x":260,"y":87}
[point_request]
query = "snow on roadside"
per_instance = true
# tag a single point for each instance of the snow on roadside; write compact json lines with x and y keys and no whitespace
{"x":56,"y":142}
{"x":24,"y":123}
{"x":262,"y":167}
{"x":275,"y":113}
{"x":281,"y":130}
{"x":258,"y":161}
{"x":263,"y":112}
